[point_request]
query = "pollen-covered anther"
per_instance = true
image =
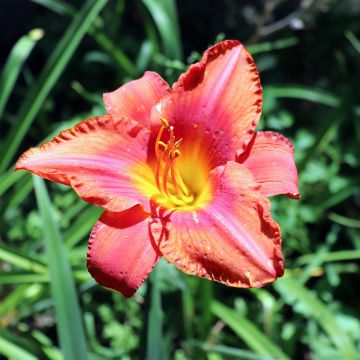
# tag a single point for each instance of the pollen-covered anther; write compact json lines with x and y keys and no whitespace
{"x":165,"y":122}
{"x":175,"y":154}
{"x":162,"y":146}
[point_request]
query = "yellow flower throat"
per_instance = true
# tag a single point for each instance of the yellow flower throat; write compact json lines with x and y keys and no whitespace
{"x":175,"y":180}
{"x":168,"y":179}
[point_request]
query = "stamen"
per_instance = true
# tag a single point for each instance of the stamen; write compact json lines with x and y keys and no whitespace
{"x":158,"y":165}
{"x":165,"y":125}
{"x":165,"y":122}
{"x":166,"y":173}
{"x":162,"y":145}
{"x":166,"y":155}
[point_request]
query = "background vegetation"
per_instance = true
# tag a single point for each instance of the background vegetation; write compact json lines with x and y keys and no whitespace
{"x":57,"y":59}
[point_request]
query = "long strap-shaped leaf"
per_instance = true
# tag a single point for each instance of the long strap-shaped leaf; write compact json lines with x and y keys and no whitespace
{"x":294,"y":293}
{"x":14,"y":347}
{"x":14,"y":62}
{"x":164,"y":13}
{"x":48,"y":77}
{"x":248,"y":332}
{"x":69,"y":321}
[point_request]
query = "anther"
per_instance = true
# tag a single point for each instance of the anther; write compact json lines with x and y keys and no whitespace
{"x":175,"y":154}
{"x":165,"y":122}
{"x":166,"y":154}
{"x":162,"y":146}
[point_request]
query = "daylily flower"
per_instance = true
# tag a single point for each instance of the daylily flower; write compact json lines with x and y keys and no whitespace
{"x":180,"y":173}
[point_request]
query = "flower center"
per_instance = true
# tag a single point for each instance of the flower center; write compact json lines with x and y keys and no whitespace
{"x":167,"y":176}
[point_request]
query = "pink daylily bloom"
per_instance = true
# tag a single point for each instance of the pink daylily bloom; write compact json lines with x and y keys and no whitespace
{"x":180,"y":173}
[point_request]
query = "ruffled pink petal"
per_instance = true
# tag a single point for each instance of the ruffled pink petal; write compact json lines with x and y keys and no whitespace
{"x":232,"y":239}
{"x":217,"y":102}
{"x":121,"y":253}
{"x":270,"y":158}
{"x":99,"y":158}
{"x":136,"y":98}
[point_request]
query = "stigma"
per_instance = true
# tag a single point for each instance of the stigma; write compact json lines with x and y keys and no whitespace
{"x":167,"y":176}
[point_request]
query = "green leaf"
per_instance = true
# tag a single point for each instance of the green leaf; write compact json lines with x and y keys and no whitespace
{"x":49,"y":76}
{"x":206,"y":289}
{"x":229,"y":351}
{"x":82,"y":226}
{"x":342,"y":255}
{"x":97,"y":33}
{"x":69,"y":320}
{"x":155,"y":344}
{"x":14,"y":347}
{"x":327,"y":131}
{"x":247,"y":331}
{"x":271,"y":45}
{"x":13,"y":257}
{"x":302,"y":93}
{"x":295,"y":294}
{"x":118,"y":55}
{"x":164,"y":13}
{"x":354,"y":41}
{"x":18,"y":278}
{"x":18,"y":297}
{"x":345,"y":221}
{"x":60,"y":7}
{"x":9,"y":179}
{"x":19,"y":53}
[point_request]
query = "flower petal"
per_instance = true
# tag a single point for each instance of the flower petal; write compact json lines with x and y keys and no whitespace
{"x":217,"y":101}
{"x":270,"y":158}
{"x":121,"y":253}
{"x":136,"y":98}
{"x":99,"y":158}
{"x":233,"y":240}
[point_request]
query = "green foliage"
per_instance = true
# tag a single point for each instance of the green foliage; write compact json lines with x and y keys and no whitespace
{"x":308,"y":57}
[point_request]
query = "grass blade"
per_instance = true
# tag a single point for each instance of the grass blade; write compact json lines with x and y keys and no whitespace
{"x":247,"y":331}
{"x":118,"y":55}
{"x":49,"y":76}
{"x":345,"y":221}
{"x":325,"y":134}
{"x":69,"y":325}
{"x":82,"y":226}
{"x":354,"y":41}
{"x":272,"y":45}
{"x":229,"y":351}
{"x":19,"y":296}
{"x":303,"y":93}
{"x":24,"y":262}
{"x":14,"y":347}
{"x":19,"y":53}
{"x":21,"y":278}
{"x":99,"y":36}
{"x":342,"y":255}
{"x":296,"y":294}
{"x":60,"y":7}
{"x":206,"y":296}
{"x":155,"y":345}
{"x":165,"y":17}
{"x":9,"y":179}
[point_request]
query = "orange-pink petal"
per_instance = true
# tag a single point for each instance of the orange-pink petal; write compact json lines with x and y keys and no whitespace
{"x":233,"y":240}
{"x":136,"y":98}
{"x":97,"y":158}
{"x":217,"y":101}
{"x":270,"y":158}
{"x":121,"y":253}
